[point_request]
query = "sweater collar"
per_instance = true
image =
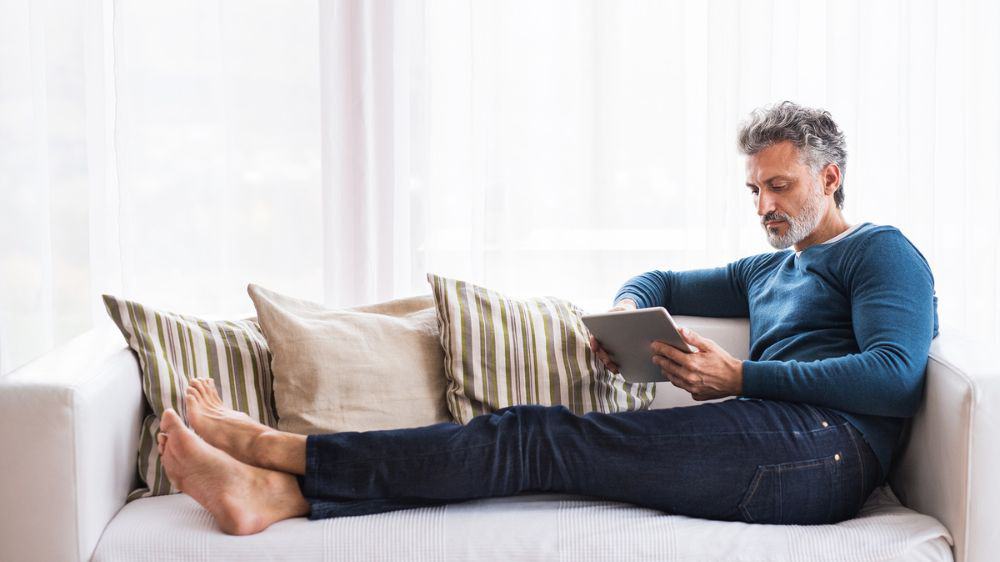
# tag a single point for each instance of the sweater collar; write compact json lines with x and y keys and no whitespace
{"x":850,"y":230}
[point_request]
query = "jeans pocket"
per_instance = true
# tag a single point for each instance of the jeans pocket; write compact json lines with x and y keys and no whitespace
{"x":798,"y":492}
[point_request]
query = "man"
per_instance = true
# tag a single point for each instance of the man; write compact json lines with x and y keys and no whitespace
{"x":840,"y":328}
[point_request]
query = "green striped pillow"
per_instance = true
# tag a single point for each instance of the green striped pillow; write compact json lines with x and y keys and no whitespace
{"x":173,"y":349}
{"x":501,"y":352}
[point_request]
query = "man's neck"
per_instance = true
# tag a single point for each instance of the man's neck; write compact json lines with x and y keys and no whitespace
{"x":831,"y":225}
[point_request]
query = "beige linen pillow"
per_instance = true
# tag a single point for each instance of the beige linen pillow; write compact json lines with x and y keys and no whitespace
{"x":370,"y":367}
{"x":501,"y":351}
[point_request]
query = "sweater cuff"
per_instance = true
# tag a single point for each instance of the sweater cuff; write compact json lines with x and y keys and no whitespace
{"x":758,"y":380}
{"x":626,"y":295}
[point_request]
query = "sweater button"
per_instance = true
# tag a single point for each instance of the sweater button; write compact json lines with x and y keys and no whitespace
{"x":836,"y":457}
{"x":824,"y":424}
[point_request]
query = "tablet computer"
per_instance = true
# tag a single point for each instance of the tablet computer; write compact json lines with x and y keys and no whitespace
{"x":627,"y":335}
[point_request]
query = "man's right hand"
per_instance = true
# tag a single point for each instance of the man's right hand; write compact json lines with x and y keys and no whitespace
{"x":606,"y":358}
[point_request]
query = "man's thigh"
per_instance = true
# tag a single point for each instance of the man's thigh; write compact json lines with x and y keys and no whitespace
{"x":751,"y":460}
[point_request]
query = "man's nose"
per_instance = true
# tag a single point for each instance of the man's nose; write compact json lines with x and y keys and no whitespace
{"x":765,"y":204}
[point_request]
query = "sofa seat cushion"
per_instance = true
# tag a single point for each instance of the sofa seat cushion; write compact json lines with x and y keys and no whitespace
{"x":524,"y":527}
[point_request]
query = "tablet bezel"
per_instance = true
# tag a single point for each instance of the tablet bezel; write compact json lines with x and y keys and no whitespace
{"x":627,"y":335}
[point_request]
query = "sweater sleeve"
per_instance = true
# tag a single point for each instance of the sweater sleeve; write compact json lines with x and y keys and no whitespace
{"x":894,"y":319}
{"x":719,"y":291}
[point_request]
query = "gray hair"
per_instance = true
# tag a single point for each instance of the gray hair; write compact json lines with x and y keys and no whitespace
{"x":813,"y":131}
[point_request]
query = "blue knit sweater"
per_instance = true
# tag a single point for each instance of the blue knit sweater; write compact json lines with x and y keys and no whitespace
{"x":846,"y":325}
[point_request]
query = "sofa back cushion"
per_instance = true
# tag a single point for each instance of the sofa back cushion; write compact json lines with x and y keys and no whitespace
{"x":365,"y":368}
{"x":500,"y":351}
{"x":174,"y":349}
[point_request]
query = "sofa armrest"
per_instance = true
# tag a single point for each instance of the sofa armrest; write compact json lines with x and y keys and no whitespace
{"x":949,"y":466}
{"x":69,"y":431}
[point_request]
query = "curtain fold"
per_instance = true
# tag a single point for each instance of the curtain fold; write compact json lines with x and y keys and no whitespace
{"x":44,"y":233}
{"x":364,"y":154}
{"x":339,"y":150}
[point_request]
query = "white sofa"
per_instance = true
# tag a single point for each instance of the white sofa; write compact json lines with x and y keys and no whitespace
{"x":68,"y":437}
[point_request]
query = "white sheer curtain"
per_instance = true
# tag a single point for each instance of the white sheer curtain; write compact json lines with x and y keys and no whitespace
{"x":45,"y":270}
{"x":560,"y":147}
{"x":338,"y":151}
{"x":166,"y":152}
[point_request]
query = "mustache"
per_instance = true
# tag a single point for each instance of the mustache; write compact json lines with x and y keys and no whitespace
{"x":775,"y":217}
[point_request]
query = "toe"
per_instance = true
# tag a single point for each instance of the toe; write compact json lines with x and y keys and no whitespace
{"x":211,"y":393}
{"x":191,"y":403}
{"x":196,"y":388}
{"x":170,"y":421}
{"x":190,"y":398}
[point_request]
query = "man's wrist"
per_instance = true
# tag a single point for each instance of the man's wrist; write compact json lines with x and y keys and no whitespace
{"x":737,"y":366}
{"x":627,"y":302}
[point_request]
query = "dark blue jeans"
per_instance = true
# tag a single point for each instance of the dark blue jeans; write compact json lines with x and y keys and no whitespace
{"x":751,"y":460}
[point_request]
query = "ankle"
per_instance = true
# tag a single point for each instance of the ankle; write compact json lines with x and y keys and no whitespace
{"x":262,"y":448}
{"x":281,"y":451}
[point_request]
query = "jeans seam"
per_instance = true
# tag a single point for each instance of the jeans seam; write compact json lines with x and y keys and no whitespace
{"x":620,"y":438}
{"x":408,"y":457}
{"x":817,"y":415}
{"x":710,"y":433}
{"x":861,"y":459}
{"x":749,"y":494}
{"x":806,"y":463}
{"x":758,"y":476}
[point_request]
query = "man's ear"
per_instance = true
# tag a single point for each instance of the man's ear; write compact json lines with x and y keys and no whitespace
{"x":830,"y":175}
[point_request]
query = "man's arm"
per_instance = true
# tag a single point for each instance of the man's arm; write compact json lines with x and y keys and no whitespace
{"x":720,"y":291}
{"x":892,"y":309}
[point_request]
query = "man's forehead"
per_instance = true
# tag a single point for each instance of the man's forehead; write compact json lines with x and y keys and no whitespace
{"x":778,"y":159}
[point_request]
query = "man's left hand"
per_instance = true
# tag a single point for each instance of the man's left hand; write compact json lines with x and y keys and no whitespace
{"x":708,"y":373}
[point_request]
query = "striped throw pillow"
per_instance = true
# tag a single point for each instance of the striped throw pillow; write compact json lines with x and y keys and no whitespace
{"x":173,"y":349}
{"x":502,"y":352}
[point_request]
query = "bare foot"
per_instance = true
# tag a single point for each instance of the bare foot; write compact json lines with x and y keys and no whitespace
{"x":243,"y":499}
{"x":224,"y":428}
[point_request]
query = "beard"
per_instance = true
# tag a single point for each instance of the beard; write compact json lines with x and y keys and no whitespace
{"x":799,"y":226}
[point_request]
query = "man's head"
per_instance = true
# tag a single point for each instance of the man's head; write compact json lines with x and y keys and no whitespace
{"x":796,"y":158}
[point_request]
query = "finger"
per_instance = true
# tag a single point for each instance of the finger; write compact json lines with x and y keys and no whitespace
{"x":673,"y":371}
{"x":603,"y":356}
{"x":676,"y":381}
{"x":670,"y":352}
{"x":614,"y":368}
{"x":666,"y":363}
{"x":679,"y":361}
{"x":682,"y":372}
{"x":695,"y":339}
{"x":597,"y":347}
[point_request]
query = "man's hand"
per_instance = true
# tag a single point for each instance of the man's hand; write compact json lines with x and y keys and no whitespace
{"x":602,"y":354}
{"x":708,"y":373}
